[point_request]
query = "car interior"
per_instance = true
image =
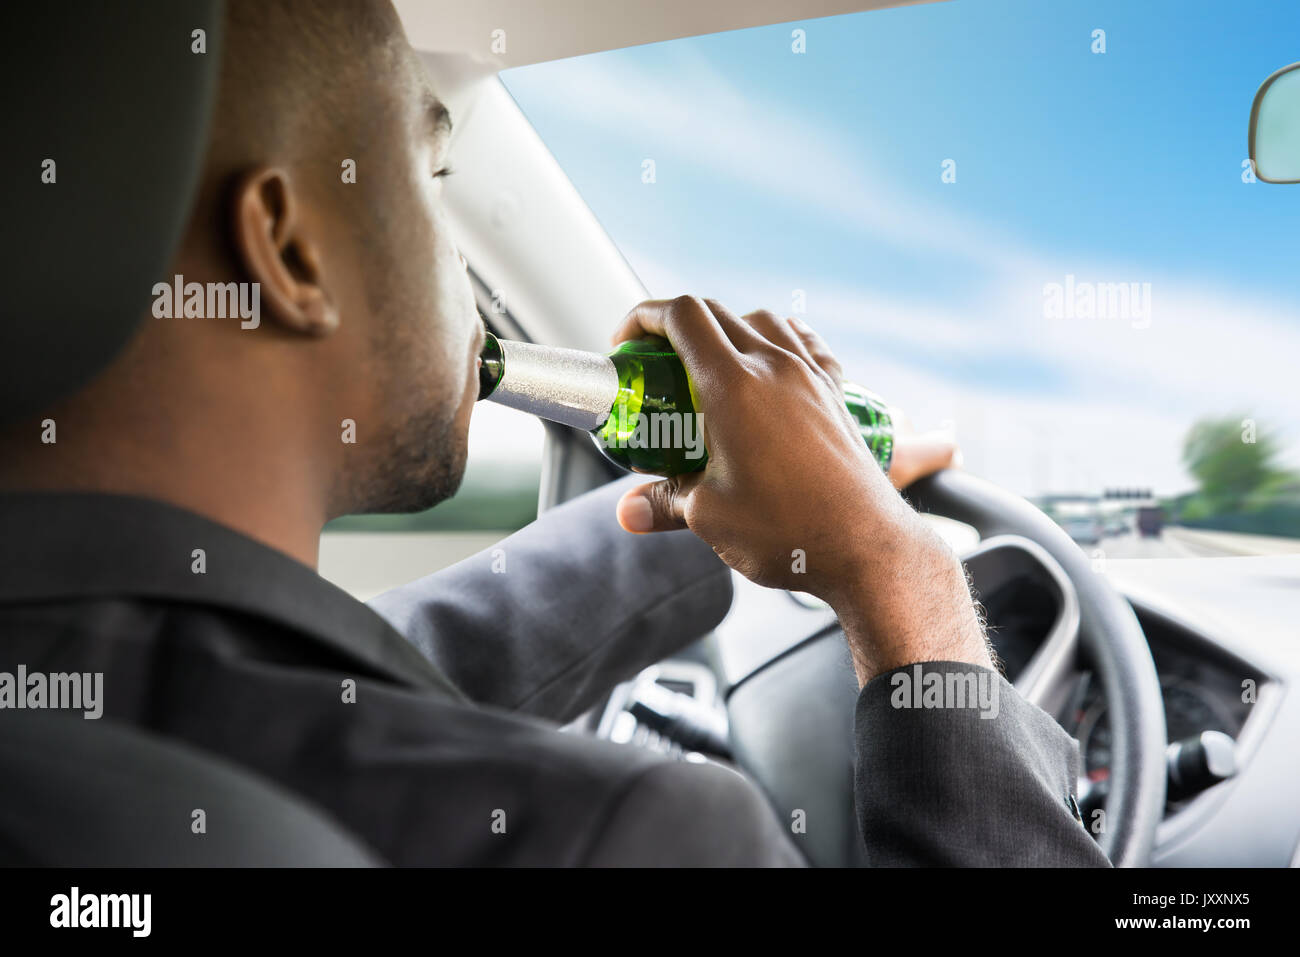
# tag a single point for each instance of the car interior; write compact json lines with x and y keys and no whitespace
{"x":1177,"y":677}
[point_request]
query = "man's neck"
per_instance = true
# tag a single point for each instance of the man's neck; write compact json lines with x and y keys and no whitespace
{"x":251,"y":483}
{"x":280,"y":525}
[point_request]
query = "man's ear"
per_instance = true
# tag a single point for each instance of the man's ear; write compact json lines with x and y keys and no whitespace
{"x":276,"y":254}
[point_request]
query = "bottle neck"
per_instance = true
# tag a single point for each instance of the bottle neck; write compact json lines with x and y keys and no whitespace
{"x":568,"y":386}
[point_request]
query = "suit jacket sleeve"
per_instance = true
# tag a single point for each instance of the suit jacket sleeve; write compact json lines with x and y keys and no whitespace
{"x":987,"y":784}
{"x":555,"y":615}
{"x":972,"y":785}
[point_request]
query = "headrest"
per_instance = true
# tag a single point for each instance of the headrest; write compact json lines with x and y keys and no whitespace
{"x":105,"y":134}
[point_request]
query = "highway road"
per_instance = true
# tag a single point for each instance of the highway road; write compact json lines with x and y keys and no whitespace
{"x":368,"y":563}
{"x":1176,"y":542}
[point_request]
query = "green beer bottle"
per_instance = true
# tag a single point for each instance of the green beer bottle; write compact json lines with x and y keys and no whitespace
{"x":637,"y":402}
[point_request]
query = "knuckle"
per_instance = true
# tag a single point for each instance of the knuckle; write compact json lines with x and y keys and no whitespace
{"x":687,"y":312}
{"x":786,"y":362}
{"x":682,"y":316}
{"x":826,"y":360}
{"x":665,"y":498}
{"x":688,"y":304}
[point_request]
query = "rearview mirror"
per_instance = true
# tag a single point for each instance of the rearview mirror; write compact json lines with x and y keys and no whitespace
{"x":1275,"y":127}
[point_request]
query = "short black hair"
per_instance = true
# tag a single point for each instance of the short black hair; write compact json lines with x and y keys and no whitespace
{"x":294,"y":77}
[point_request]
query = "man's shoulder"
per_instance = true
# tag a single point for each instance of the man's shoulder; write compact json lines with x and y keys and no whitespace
{"x":427,"y":780}
{"x":422,"y":777}
{"x":431,"y":781}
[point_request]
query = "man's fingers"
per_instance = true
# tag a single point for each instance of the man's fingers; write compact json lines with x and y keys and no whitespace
{"x":657,"y":507}
{"x":818,"y":349}
{"x":697,"y":328}
{"x":776,"y":330}
{"x":741,"y":334}
{"x":916,"y":456}
{"x":784,"y":333}
{"x":686,"y":322}
{"x":645,"y":318}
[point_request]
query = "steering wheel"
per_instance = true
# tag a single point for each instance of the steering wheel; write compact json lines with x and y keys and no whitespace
{"x":783,"y":714}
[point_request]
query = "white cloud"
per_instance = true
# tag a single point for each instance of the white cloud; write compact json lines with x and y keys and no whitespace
{"x":1207,"y":352}
{"x":1130,"y":394}
{"x":703,"y":120}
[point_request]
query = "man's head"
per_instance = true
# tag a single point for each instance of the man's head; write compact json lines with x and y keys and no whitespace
{"x":323,"y":185}
{"x":325,"y":173}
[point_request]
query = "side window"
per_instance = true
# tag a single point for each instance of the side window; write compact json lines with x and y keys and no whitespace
{"x":368,"y":554}
{"x":499,"y":491}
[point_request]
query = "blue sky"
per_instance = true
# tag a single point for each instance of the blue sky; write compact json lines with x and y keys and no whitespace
{"x":821,"y":172}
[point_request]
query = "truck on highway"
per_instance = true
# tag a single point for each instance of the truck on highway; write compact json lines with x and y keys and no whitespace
{"x":1150,"y":521}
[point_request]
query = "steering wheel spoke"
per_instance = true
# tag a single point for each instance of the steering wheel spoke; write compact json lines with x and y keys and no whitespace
{"x":788,"y":714}
{"x":1045,"y":680}
{"x":1104,"y":629}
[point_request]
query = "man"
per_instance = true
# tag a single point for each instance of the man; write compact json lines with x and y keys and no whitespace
{"x":168,"y":538}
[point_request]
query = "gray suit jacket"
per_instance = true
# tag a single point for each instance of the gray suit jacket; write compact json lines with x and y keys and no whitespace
{"x":580,"y":604}
{"x":431,"y":731}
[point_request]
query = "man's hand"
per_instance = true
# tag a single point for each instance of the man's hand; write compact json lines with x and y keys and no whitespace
{"x":918,"y":454}
{"x":791,"y":496}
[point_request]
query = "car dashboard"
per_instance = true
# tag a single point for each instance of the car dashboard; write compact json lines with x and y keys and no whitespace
{"x":1223,"y":639}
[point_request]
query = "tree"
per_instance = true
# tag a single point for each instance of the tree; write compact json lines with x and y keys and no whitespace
{"x":1230,"y":467}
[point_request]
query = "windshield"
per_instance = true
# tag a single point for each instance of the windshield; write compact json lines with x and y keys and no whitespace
{"x":1032,"y":223}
